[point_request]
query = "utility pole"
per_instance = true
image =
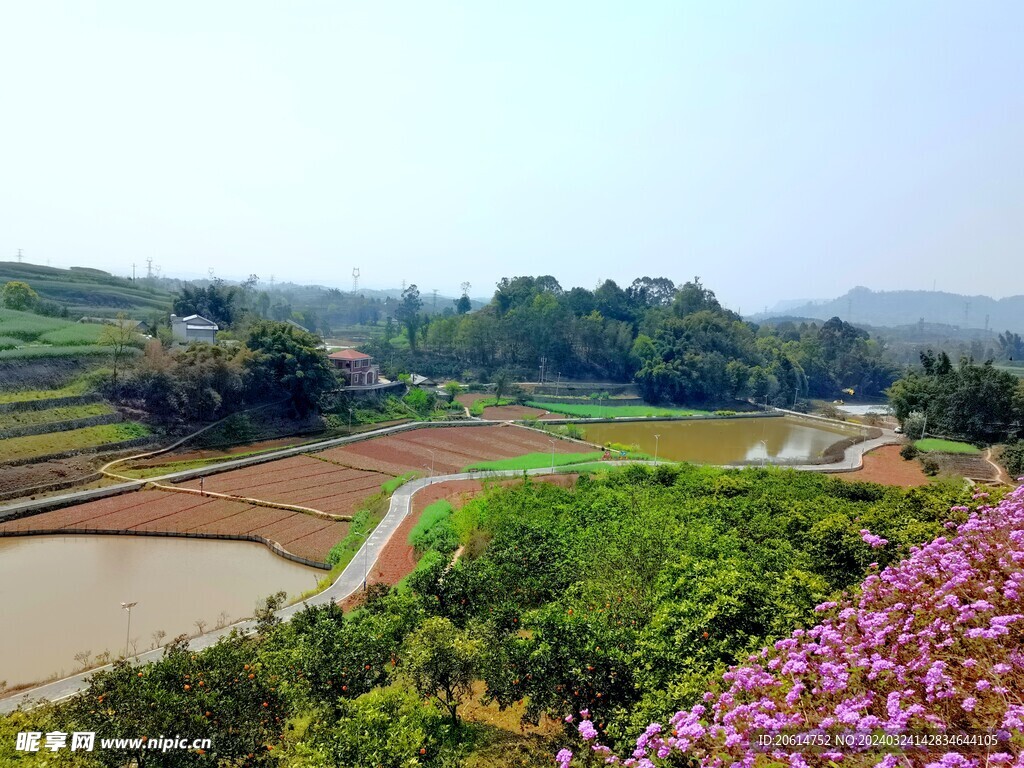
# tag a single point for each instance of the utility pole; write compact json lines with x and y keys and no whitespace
{"x":133,"y":271}
{"x":435,"y":300}
{"x":19,"y":255}
{"x":543,"y":362}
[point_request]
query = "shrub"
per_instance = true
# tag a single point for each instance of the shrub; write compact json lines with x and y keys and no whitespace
{"x":909,"y":451}
{"x":931,"y":466}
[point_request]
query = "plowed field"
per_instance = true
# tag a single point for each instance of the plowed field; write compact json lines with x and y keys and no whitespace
{"x":300,"y":480}
{"x":453,"y":448}
{"x":162,"y":511}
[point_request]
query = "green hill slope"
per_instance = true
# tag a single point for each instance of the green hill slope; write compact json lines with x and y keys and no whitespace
{"x":87,"y":291}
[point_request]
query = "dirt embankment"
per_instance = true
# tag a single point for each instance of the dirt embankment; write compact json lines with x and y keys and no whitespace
{"x":885,"y":466}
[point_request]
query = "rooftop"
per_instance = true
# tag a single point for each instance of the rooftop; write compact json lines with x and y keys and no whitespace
{"x":348,"y":354}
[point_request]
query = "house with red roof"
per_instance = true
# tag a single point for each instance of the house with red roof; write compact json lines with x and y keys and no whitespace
{"x":357,"y":368}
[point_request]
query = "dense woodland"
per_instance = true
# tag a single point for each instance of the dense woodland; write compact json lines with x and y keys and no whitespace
{"x":626,"y":595}
{"x":678,"y":343}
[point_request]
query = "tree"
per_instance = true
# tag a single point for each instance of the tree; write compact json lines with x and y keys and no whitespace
{"x":501,"y":382}
{"x":216,"y":302}
{"x":119,"y":337}
{"x":408,"y":313}
{"x":452,"y":388}
{"x":288,"y":362}
{"x":441,"y":661}
{"x":462,"y":305}
{"x":19,"y":296}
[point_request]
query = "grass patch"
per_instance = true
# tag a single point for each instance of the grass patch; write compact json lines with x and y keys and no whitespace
{"x":83,"y":385}
{"x":930,"y":444}
{"x":434,"y":530}
{"x":395,"y":483}
{"x":534,"y":461}
{"x":597,"y":411}
{"x":16,"y":448}
{"x":477,"y":408}
{"x":52,"y":415}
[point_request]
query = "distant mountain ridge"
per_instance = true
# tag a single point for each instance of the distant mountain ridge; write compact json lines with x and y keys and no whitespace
{"x":900,"y":308}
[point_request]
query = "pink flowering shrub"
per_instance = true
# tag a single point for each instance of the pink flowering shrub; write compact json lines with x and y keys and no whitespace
{"x":933,"y":642}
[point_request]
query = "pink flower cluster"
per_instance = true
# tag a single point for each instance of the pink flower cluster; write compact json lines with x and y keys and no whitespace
{"x":935,"y":642}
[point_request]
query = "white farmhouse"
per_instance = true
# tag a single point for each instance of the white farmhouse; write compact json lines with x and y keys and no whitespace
{"x":193,"y":328}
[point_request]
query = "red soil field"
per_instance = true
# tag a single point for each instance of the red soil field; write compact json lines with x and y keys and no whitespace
{"x":163,"y":511}
{"x":299,"y":480}
{"x":885,"y":466}
{"x":513,"y":412}
{"x":454,"y":448}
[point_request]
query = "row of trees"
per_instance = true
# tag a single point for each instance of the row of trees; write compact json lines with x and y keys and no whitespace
{"x":974,"y":402}
{"x":678,"y":343}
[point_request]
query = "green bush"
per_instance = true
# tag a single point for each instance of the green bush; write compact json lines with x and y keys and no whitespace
{"x":909,"y":451}
{"x":1013,"y":458}
{"x":434,"y":530}
{"x":931,"y":466}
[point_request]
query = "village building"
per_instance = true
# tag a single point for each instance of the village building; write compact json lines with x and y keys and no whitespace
{"x":357,"y":368}
{"x":193,"y":328}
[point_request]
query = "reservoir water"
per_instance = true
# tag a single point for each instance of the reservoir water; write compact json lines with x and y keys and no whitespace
{"x":62,"y":595}
{"x":724,"y":441}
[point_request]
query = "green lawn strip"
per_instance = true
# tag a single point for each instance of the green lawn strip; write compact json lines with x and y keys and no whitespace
{"x":395,"y":483}
{"x":42,"y":351}
{"x":597,"y":411}
{"x":16,"y":448}
{"x":930,"y":444}
{"x":534,"y":461}
{"x":16,"y":419}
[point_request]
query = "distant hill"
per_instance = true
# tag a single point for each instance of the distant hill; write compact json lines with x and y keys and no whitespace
{"x":890,"y":309}
{"x":86,"y":291}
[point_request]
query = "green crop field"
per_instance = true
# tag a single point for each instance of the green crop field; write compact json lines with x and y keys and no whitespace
{"x":17,"y":448}
{"x":597,"y":411}
{"x":54,"y":416}
{"x":945,"y":446}
{"x":27,"y":335}
{"x":89,"y":291}
{"x":534,"y":461}
{"x":80,"y":386}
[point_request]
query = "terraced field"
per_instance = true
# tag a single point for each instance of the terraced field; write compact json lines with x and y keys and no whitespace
{"x":449,"y":449}
{"x":161,"y":511}
{"x":300,"y":480}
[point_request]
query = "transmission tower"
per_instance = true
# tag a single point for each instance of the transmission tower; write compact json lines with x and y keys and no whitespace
{"x":19,"y":255}
{"x":149,"y":268}
{"x":403,"y":286}
{"x":355,"y":280}
{"x":435,"y":299}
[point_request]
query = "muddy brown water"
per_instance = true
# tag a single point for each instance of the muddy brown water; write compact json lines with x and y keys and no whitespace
{"x":724,"y":441}
{"x":62,"y":595}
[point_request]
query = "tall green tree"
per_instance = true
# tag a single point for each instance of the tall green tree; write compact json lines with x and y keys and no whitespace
{"x":408,"y":313}
{"x":288,"y":362}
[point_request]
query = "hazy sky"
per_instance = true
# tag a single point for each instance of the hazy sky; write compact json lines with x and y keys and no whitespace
{"x":778,"y":150}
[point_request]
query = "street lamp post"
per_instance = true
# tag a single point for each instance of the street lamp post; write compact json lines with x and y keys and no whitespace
{"x":657,"y":439}
{"x":351,"y":411}
{"x":552,"y":456}
{"x":765,"y":457}
{"x":128,"y":607}
{"x":432,"y":453}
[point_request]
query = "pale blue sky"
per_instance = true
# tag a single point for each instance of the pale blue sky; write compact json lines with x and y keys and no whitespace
{"x":779,"y":150}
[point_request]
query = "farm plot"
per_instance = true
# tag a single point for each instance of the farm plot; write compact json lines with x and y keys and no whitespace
{"x":161,"y":511}
{"x":299,"y":480}
{"x":453,"y":448}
